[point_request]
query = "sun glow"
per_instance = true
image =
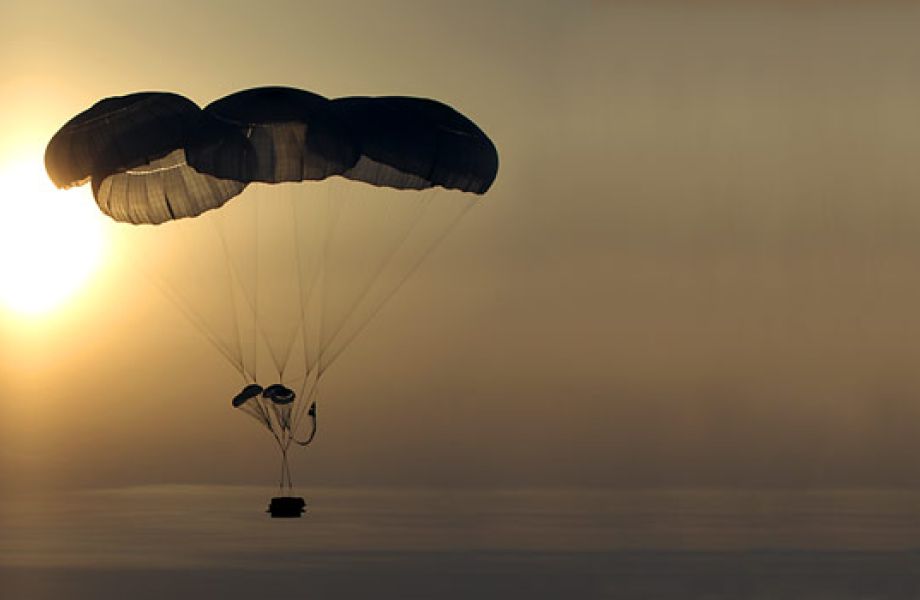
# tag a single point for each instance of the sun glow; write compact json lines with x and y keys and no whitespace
{"x":51,"y":241}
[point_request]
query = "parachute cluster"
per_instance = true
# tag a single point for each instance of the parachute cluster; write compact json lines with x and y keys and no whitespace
{"x":157,"y":158}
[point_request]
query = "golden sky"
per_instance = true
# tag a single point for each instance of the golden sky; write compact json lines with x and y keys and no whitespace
{"x":698,"y":265}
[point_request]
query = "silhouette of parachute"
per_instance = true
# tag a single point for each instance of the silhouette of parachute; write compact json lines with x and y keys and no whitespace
{"x":415,"y":143}
{"x":283,"y":279}
{"x":293,"y":135}
{"x":133,"y":149}
{"x":119,"y":133}
{"x":161,"y":152}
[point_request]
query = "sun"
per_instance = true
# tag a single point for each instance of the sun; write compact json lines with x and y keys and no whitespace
{"x":51,"y":241}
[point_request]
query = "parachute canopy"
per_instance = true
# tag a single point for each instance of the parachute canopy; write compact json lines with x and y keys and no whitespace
{"x":279,"y":394}
{"x":157,"y":156}
{"x":248,"y":393}
{"x":133,"y":148}
{"x":416,"y":143}
{"x":294,"y":136}
{"x":119,"y":133}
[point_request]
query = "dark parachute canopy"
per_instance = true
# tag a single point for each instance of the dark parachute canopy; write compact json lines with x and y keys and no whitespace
{"x":156,"y":156}
{"x":416,"y":143}
{"x":299,"y":271}
{"x":293,"y":136}
{"x":120,"y":133}
{"x":133,"y":149}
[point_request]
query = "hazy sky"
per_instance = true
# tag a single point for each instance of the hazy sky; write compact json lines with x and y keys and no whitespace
{"x":697,"y":267}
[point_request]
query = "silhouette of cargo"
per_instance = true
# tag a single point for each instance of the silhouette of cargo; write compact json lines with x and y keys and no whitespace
{"x":287,"y":507}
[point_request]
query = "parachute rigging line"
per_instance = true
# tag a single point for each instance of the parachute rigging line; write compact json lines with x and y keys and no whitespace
{"x":438,"y":240}
{"x":395,"y":246}
{"x":198,"y":323}
{"x":228,"y":263}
